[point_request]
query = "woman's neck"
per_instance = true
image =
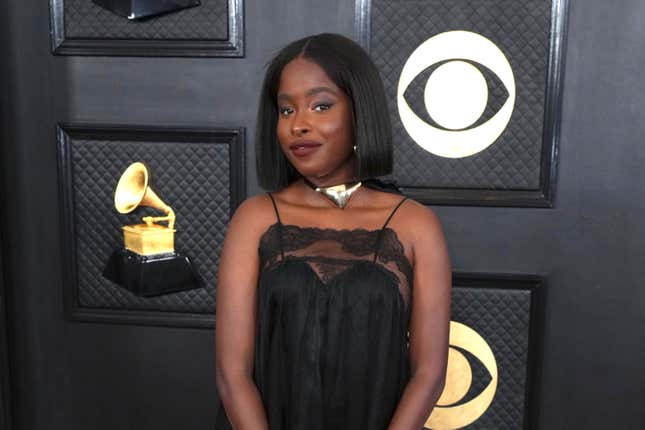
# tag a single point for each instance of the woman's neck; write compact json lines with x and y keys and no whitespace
{"x":344,"y":174}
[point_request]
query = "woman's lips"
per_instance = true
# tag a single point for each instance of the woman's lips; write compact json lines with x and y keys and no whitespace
{"x":303,"y":149}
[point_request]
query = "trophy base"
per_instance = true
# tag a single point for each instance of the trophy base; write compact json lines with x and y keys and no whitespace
{"x":140,"y":9}
{"x":149,"y":276}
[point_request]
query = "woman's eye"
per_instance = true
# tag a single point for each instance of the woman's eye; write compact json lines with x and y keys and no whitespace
{"x":285,"y":110}
{"x":322,"y":106}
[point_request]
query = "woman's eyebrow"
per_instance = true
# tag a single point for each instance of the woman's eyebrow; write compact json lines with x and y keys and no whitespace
{"x":309,"y":93}
{"x":283,"y":97}
{"x":317,"y":90}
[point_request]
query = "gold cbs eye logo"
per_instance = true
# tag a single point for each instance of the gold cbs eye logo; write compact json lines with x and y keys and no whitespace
{"x":456,"y":94}
{"x":449,"y":413}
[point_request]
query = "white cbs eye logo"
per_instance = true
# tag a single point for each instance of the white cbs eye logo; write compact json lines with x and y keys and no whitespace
{"x":456,"y":94}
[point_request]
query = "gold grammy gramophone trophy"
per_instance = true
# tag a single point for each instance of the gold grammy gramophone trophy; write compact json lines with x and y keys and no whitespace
{"x":133,"y":191}
{"x":147,"y":264}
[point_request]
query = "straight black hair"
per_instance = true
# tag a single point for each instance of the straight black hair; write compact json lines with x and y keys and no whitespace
{"x":352,"y":70}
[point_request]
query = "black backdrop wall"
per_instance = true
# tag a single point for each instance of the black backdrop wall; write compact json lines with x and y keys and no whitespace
{"x":72,"y":375}
{"x":5,"y":136}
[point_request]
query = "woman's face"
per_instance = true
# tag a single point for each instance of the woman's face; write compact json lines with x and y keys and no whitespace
{"x":315,"y":123}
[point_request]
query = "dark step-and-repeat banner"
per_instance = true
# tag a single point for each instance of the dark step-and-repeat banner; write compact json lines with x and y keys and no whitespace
{"x":474,"y":92}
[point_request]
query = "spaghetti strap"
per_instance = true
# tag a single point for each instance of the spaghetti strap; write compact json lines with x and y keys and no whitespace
{"x":393,"y":211}
{"x":275,"y":207}
{"x":277,"y":214}
{"x":387,"y":221}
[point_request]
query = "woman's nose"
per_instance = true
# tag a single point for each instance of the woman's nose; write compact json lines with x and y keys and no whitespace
{"x":300,"y":125}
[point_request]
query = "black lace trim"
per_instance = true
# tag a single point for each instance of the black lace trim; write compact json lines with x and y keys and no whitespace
{"x":359,"y":242}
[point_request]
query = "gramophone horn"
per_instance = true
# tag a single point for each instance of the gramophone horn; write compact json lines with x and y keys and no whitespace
{"x":133,"y":191}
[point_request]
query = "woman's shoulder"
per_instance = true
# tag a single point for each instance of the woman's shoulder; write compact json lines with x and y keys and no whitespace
{"x":253,"y":216}
{"x":259,"y":201}
{"x":414,"y":210}
{"x":407,"y":209}
{"x":415,"y":221}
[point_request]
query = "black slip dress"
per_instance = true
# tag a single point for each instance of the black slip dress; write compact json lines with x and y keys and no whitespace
{"x":331,"y":351}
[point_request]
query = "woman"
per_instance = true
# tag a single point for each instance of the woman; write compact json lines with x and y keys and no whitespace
{"x":320,"y":280}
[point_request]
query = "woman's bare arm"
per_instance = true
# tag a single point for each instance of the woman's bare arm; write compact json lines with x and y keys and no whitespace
{"x":429,"y":321}
{"x":235,"y":317}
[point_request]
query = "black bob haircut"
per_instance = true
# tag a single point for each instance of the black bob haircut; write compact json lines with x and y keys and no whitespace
{"x":351,"y":69}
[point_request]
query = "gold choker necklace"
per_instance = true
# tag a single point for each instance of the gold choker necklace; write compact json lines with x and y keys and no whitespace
{"x":338,"y":194}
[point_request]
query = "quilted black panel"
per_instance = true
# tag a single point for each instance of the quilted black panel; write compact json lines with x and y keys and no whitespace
{"x":502,"y":317}
{"x":192,"y":177}
{"x":521,"y":29}
{"x":86,"y":20}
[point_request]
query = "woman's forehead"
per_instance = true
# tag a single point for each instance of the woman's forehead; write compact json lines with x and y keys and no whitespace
{"x":302,"y":77}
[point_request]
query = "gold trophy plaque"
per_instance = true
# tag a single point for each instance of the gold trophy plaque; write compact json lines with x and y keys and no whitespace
{"x":147,"y":264}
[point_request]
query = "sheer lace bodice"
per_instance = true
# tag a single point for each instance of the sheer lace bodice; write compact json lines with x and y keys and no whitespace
{"x":329,"y":252}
